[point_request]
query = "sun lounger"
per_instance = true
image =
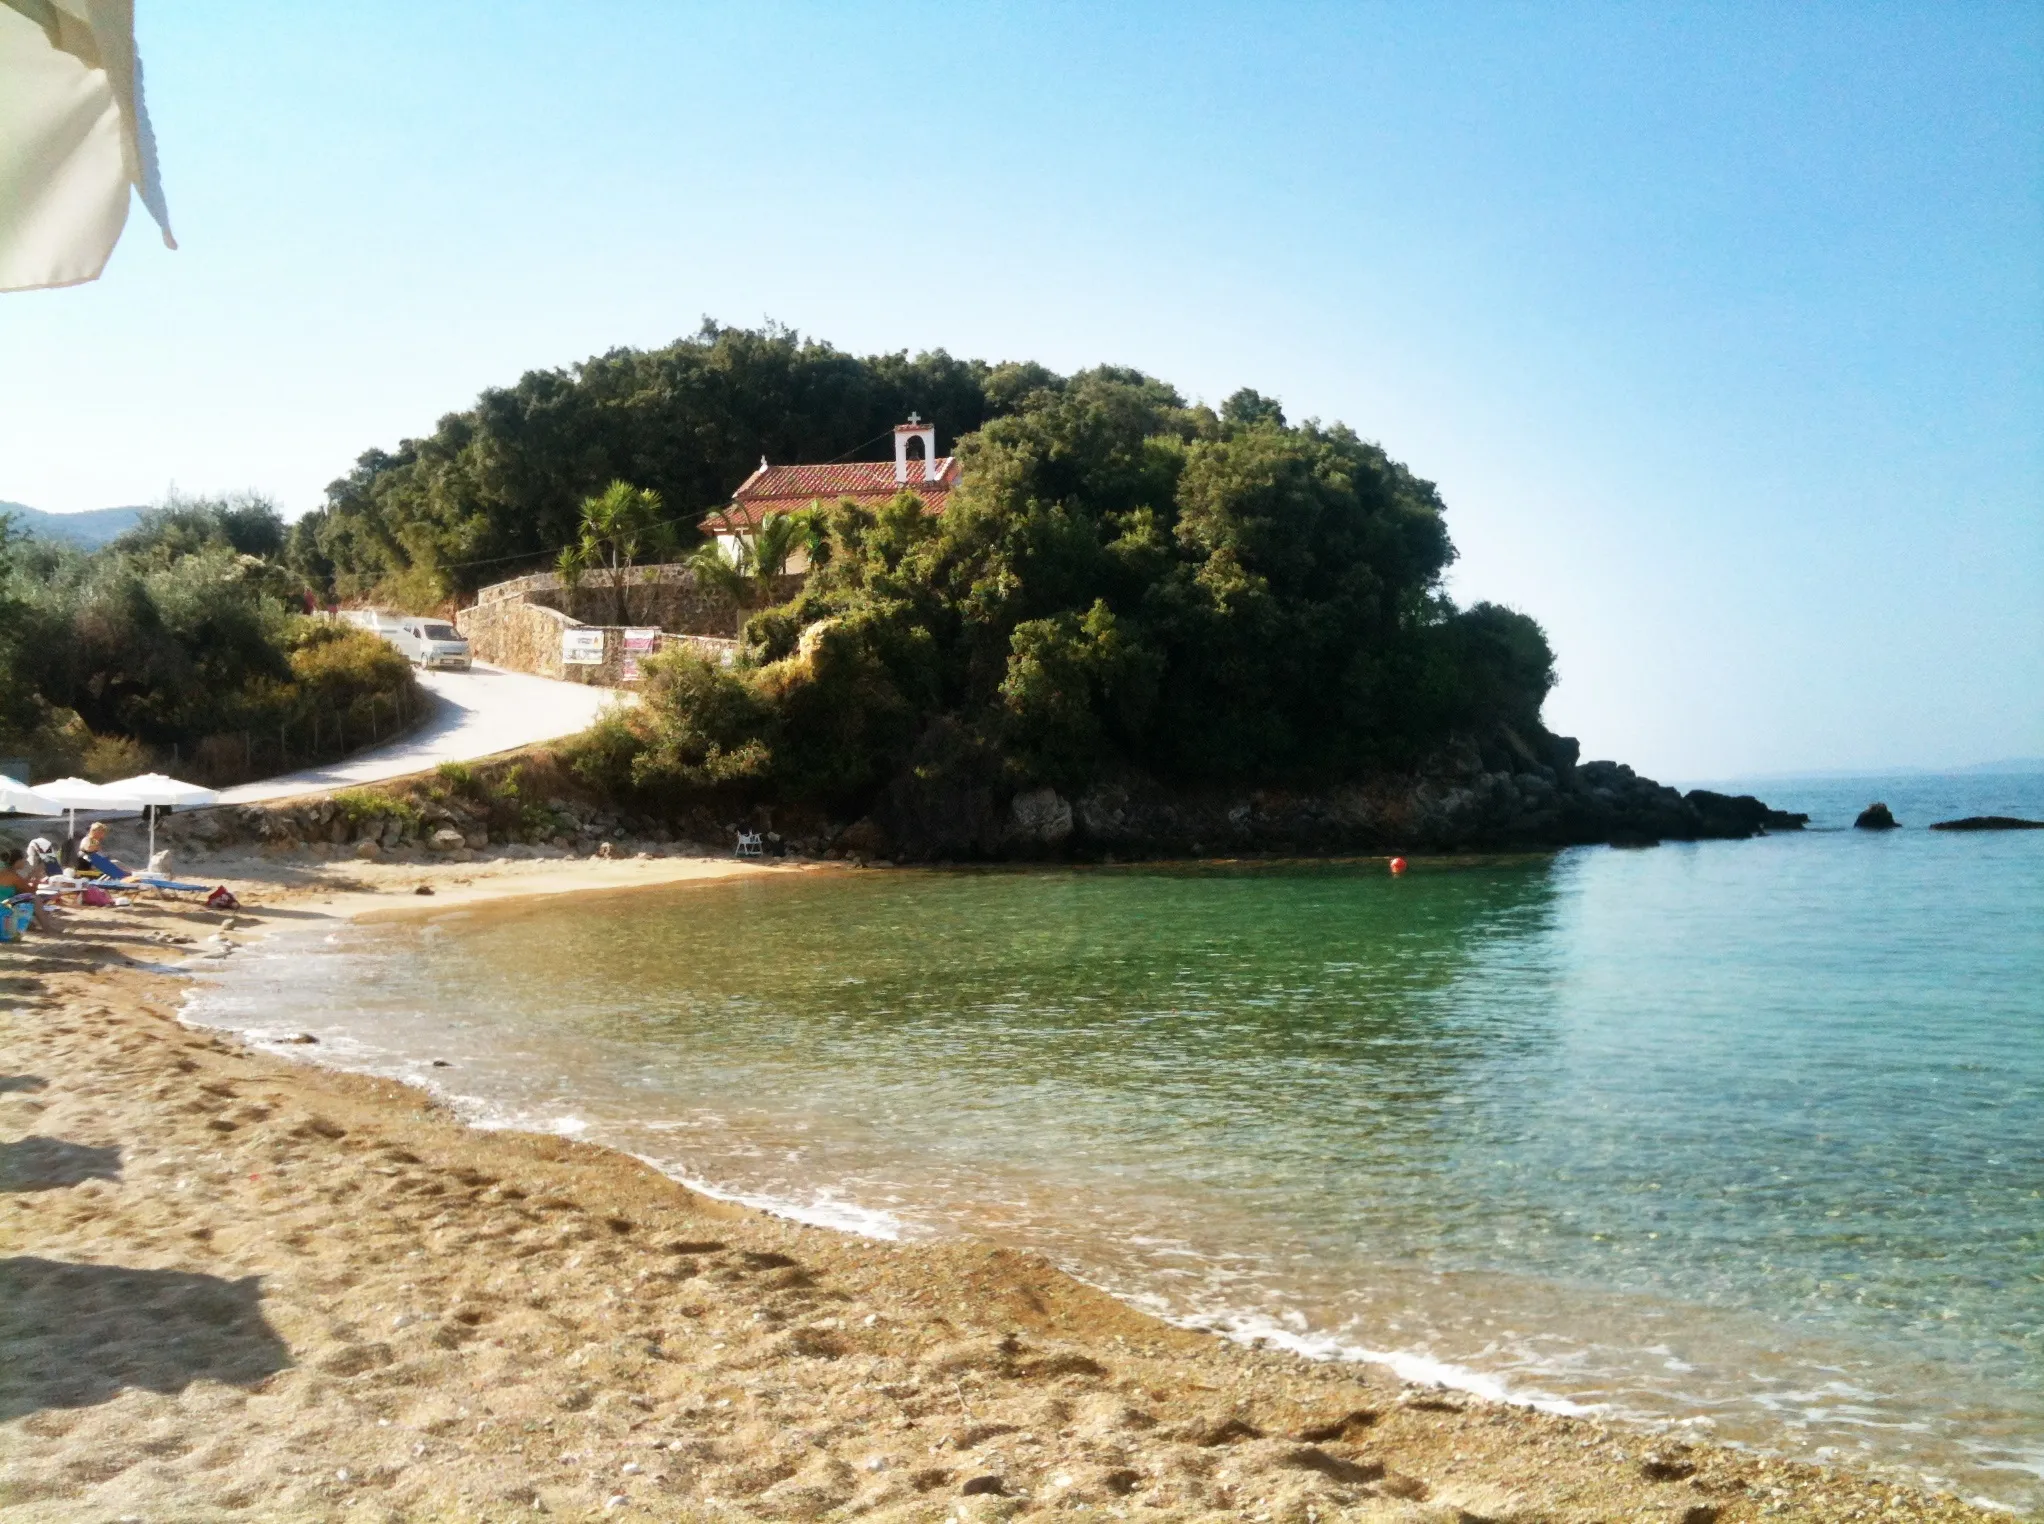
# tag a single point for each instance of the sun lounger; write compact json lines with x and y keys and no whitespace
{"x":103,"y":865}
{"x":164,"y":885}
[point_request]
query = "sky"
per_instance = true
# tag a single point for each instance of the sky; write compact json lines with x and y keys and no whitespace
{"x":1720,"y":327}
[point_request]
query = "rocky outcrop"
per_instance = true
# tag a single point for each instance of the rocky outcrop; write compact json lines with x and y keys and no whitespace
{"x":1876,"y":817}
{"x":1990,"y":823}
{"x":407,"y":828}
{"x":1503,"y":793}
{"x":952,"y":802}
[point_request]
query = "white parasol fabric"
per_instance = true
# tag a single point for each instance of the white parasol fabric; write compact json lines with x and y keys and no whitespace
{"x":19,"y":799}
{"x":164,"y":790}
{"x":153,"y":791}
{"x":71,"y":795}
{"x":74,"y":139}
{"x":79,"y":794}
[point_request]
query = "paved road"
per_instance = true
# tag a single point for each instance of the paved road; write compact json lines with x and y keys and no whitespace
{"x":475,"y":714}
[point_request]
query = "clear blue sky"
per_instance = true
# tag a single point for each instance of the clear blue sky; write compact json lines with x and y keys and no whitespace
{"x":1721,"y":327}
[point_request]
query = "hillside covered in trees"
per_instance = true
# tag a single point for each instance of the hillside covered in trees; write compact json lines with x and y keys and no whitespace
{"x":1124,"y":579}
{"x":1121,"y":581}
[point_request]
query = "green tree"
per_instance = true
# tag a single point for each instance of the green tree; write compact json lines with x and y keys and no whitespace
{"x":246,"y":523}
{"x":763,"y":553}
{"x":619,"y":526}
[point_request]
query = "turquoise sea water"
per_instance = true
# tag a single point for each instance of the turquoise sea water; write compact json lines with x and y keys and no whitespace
{"x":1746,"y":1137}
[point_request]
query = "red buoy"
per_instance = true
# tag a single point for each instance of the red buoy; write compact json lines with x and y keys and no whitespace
{"x":1397,"y":865}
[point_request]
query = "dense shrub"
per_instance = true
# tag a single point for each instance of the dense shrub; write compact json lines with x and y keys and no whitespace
{"x":180,"y":645}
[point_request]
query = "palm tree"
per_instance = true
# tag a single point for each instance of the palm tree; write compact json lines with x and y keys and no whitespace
{"x":617,"y":524}
{"x":763,"y":552}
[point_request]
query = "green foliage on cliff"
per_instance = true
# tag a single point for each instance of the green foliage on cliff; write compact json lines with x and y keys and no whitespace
{"x":184,"y":631}
{"x":1122,"y":580}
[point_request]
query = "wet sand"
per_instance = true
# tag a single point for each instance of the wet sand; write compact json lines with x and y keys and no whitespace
{"x":234,"y":1287}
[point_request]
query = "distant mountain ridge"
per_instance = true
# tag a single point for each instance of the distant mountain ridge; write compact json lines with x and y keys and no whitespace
{"x":89,"y":530}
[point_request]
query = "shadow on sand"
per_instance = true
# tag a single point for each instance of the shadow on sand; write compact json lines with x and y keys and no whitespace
{"x":45,"y":1164}
{"x":76,"y":1335}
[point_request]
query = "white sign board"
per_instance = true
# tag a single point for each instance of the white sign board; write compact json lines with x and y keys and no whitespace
{"x":582,"y":648}
{"x":641,"y":642}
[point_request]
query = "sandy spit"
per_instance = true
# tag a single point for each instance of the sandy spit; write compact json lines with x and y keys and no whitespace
{"x":235,"y":1287}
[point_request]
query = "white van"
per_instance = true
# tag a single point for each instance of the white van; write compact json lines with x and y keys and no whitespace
{"x":429,"y":643}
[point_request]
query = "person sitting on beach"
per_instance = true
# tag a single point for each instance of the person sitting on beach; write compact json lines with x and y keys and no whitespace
{"x":18,"y":879}
{"x":92,"y":853}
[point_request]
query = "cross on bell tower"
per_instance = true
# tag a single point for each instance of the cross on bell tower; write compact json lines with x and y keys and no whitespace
{"x":915,"y":428}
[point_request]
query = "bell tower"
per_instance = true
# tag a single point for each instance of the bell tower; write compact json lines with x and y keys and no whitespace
{"x":915,"y":428}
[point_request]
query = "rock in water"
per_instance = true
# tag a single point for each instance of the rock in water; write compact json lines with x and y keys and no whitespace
{"x":1876,"y":817}
{"x":1739,"y":814}
{"x":1990,"y":823}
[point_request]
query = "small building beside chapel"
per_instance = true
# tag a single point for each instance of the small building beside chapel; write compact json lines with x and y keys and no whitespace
{"x":789,"y":489}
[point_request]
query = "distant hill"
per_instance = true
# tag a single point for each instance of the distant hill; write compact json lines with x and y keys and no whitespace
{"x":89,"y":529}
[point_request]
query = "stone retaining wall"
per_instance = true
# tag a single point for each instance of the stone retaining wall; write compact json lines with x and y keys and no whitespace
{"x":514,"y":634}
{"x":667,"y":597}
{"x":525,"y":636}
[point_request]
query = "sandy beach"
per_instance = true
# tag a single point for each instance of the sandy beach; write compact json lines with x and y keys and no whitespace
{"x":237,"y":1287}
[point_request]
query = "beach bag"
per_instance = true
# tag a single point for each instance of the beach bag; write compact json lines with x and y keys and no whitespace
{"x":222,"y":898}
{"x":92,"y":894}
{"x":20,"y":916}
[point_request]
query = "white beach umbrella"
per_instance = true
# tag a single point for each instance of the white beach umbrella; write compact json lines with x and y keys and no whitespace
{"x":151,"y":791}
{"x":19,"y":799}
{"x":74,"y":794}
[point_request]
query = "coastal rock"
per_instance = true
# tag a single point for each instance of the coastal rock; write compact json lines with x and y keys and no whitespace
{"x":1042,"y":816}
{"x":447,"y":839}
{"x":1876,"y":817}
{"x":1740,"y":814}
{"x":369,"y":849}
{"x":1989,"y":823}
{"x":863,"y":838}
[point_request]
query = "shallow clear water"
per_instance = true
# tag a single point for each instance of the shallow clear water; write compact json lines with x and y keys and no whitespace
{"x":1744,"y":1136}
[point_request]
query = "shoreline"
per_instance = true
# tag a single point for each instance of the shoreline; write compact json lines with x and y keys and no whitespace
{"x":930,"y":1378}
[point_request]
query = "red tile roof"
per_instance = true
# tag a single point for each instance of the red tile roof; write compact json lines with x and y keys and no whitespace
{"x":786,"y":489}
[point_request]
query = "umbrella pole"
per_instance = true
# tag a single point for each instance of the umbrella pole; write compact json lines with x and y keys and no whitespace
{"x":150,"y":810}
